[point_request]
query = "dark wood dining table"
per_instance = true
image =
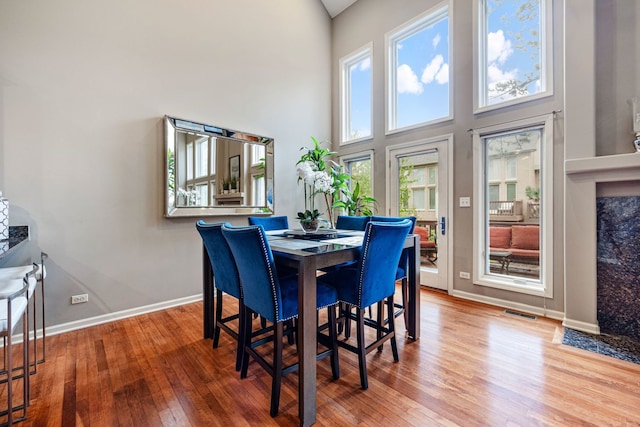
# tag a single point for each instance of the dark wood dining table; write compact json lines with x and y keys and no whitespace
{"x":308,"y":255}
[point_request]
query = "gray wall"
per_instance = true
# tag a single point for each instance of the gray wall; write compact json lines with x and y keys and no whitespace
{"x":369,"y":20}
{"x":83,"y":89}
{"x":617,"y":39}
{"x":617,"y":78}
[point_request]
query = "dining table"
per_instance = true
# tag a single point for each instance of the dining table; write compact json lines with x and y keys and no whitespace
{"x":308,"y":253}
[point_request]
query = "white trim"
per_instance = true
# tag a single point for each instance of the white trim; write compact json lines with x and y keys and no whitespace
{"x":544,"y":286}
{"x":345,"y":98}
{"x":443,"y":10}
{"x":526,"y":308}
{"x":118,"y":315}
{"x":589,"y":328}
{"x":480,"y":66}
{"x":447,"y":139}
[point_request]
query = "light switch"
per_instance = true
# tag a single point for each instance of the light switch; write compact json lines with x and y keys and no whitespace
{"x":465,"y":202}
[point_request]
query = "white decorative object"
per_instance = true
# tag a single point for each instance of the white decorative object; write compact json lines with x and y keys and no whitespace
{"x":635,"y":116}
{"x":4,"y":218}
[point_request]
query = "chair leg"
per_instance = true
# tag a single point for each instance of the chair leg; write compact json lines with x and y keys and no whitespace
{"x":392,"y":328}
{"x":242,"y":324}
{"x":380,"y":321}
{"x":248,"y":327}
{"x":333,"y":338}
{"x":405,"y":299}
{"x":277,"y":368}
{"x":347,"y":320}
{"x":362,"y":349}
{"x":216,"y":318}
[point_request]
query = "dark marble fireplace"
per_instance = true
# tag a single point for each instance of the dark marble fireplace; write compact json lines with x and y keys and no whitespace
{"x":618,"y":265}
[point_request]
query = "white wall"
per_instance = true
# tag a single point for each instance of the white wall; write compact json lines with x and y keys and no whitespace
{"x":83,"y":89}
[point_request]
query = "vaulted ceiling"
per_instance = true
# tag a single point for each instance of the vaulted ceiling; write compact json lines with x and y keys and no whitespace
{"x":334,"y":7}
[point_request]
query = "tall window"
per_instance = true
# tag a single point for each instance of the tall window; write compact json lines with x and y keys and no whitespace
{"x":418,"y":76}
{"x":355,"y":89}
{"x":514,"y":51}
{"x":514,"y":243}
{"x":360,"y":167}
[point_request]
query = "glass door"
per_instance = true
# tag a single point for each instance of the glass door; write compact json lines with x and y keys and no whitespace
{"x":418,"y":187}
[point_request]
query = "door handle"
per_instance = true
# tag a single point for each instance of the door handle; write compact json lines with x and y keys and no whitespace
{"x":443,"y":225}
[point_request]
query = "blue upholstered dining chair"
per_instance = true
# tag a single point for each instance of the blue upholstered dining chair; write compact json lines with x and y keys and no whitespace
{"x":402,"y":272}
{"x":345,"y":222}
{"x":226,"y":280}
{"x":372,"y":281}
{"x":275,"y":299}
{"x":270,"y":222}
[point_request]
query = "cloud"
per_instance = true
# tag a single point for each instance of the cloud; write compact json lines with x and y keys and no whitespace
{"x":443,"y":75}
{"x":496,"y":75}
{"x":436,"y":40}
{"x":408,"y":80}
{"x":365,"y":64}
{"x":498,"y":48}
{"x":436,"y":70}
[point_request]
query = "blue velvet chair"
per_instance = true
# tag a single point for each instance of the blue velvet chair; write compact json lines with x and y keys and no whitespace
{"x":345,"y":222}
{"x":226,"y":280}
{"x":275,"y":299}
{"x":372,"y":281}
{"x":270,"y":222}
{"x":402,"y":272}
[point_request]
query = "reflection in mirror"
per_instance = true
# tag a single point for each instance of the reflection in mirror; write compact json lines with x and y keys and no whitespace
{"x":215,"y":171}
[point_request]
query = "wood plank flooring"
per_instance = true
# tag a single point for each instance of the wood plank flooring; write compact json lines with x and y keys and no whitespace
{"x":473,"y":366}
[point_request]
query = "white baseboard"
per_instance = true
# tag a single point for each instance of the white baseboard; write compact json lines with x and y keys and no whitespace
{"x":110,"y":317}
{"x":589,"y":328}
{"x":538,"y":311}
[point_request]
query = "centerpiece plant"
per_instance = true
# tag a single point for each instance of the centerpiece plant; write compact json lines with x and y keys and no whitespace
{"x":321,"y":176}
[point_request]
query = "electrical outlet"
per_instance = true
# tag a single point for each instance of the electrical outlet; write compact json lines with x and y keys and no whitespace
{"x":465,"y":275}
{"x":77,"y":299}
{"x":465,"y":202}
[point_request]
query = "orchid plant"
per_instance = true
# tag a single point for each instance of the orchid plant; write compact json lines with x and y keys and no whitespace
{"x":320,"y":175}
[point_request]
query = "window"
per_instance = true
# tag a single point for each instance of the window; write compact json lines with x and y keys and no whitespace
{"x":198,"y":170}
{"x":513,"y":247}
{"x":418,"y":71}
{"x":432,"y":183}
{"x":355,"y":89}
{"x":511,"y":192}
{"x":360,"y":167}
{"x":202,"y":164}
{"x":514,"y":60}
{"x":511,"y":168}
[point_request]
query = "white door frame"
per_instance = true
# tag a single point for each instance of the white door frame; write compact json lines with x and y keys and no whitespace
{"x":444,"y":145}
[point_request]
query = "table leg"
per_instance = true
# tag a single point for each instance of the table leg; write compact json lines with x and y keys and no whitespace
{"x":413,"y":327}
{"x":307,"y":341}
{"x":207,"y":294}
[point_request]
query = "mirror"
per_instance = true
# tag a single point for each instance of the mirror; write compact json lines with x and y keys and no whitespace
{"x":210,"y":170}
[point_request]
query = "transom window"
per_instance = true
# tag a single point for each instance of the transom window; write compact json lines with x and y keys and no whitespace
{"x":418,"y":60}
{"x":355,"y":89}
{"x":514,"y":51}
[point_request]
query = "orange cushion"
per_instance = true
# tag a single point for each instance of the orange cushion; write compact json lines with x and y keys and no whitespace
{"x":526,"y":237}
{"x":524,"y":253}
{"x":499,"y":237}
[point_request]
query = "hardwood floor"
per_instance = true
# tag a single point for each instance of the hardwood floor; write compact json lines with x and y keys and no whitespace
{"x":473,"y":366}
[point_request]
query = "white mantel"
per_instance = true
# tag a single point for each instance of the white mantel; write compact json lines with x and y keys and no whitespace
{"x":581,"y":178}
